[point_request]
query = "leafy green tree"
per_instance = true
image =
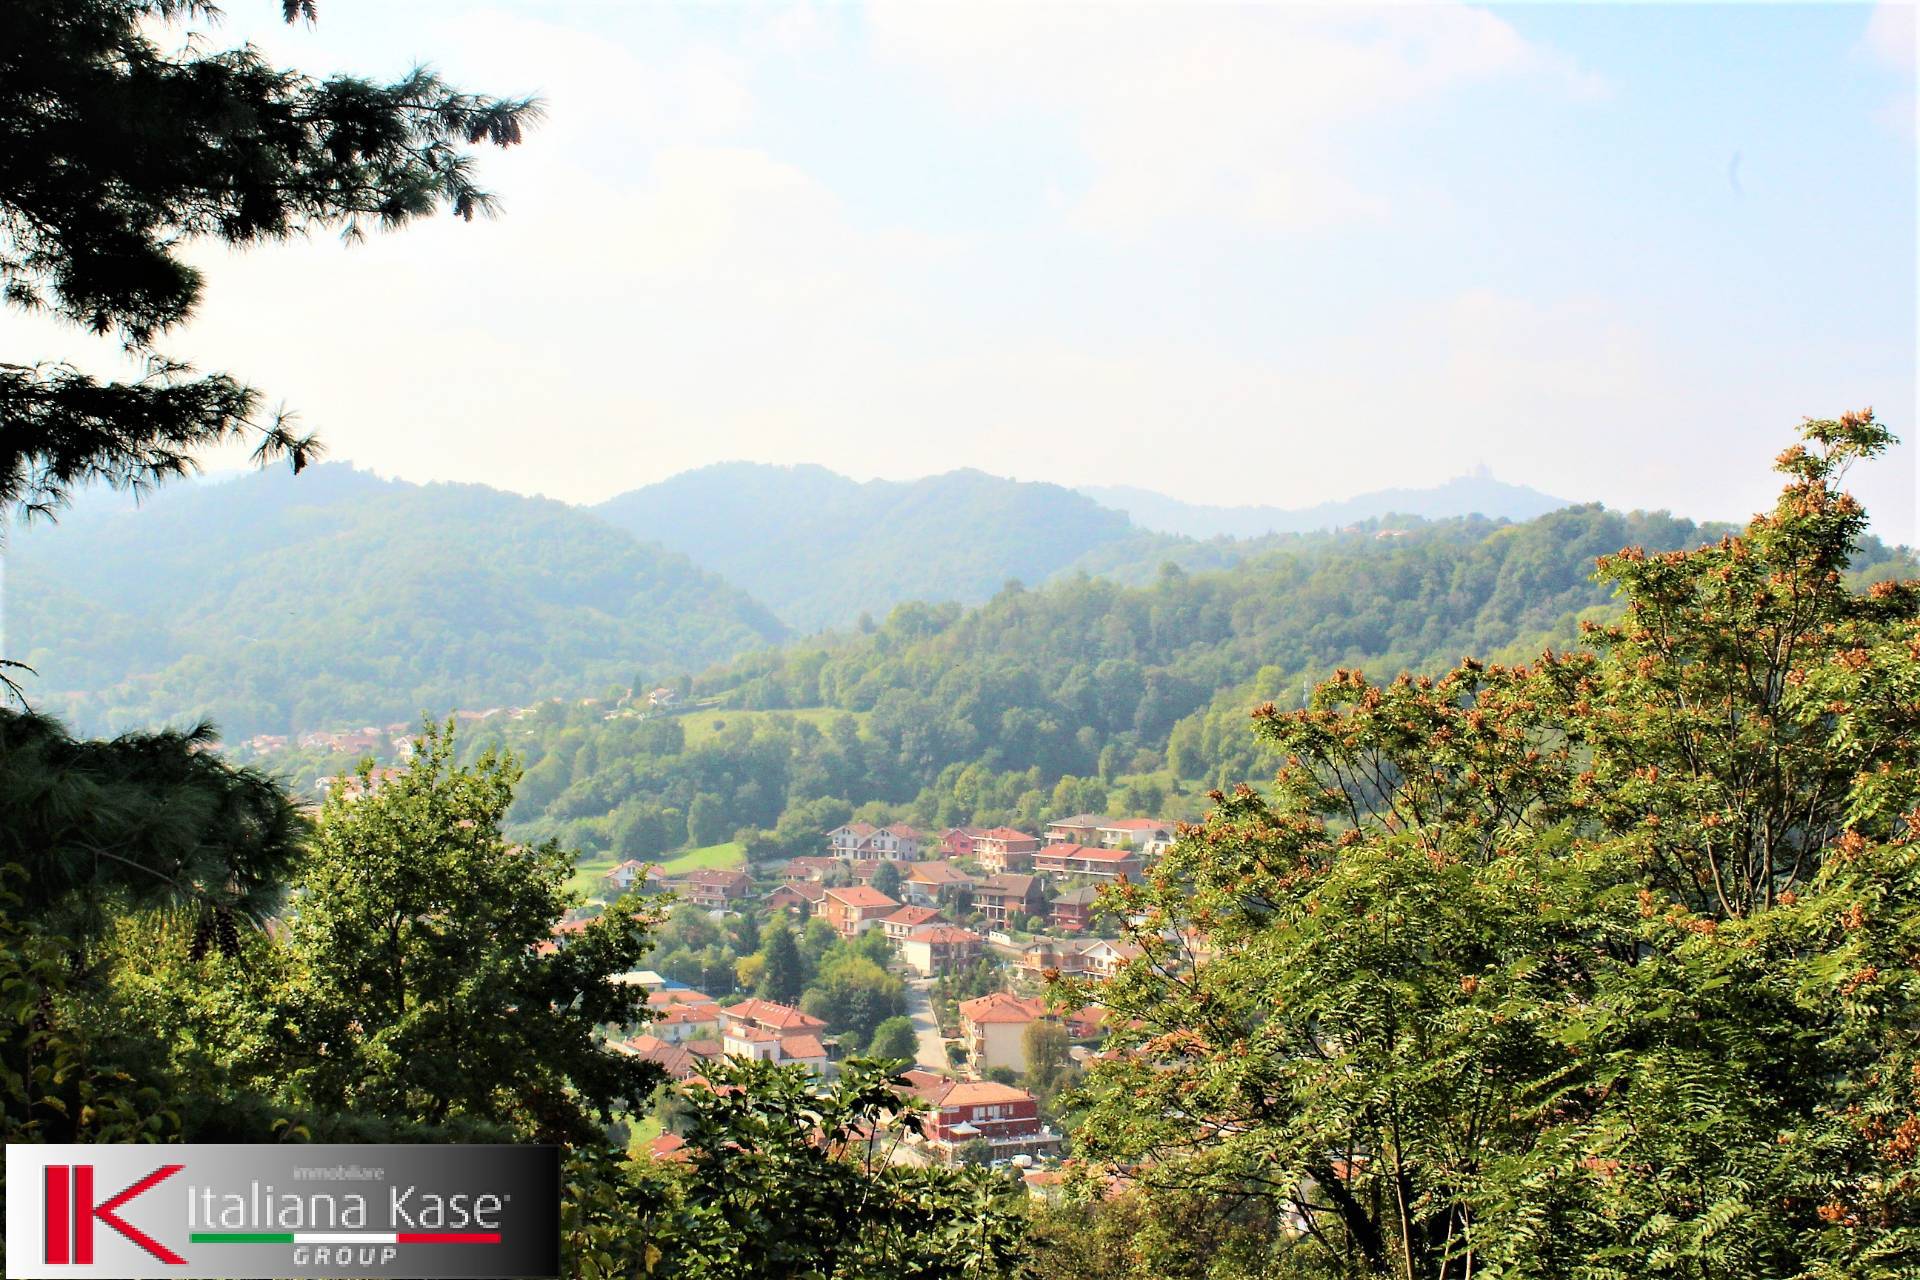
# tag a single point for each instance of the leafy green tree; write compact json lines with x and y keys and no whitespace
{"x":789,"y":1179}
{"x":57,"y":1090}
{"x":1045,"y":1044}
{"x":886,"y":879}
{"x":783,"y":976}
{"x":893,"y":1039}
{"x":426,"y":987}
{"x":854,"y":995}
{"x":706,"y":820}
{"x":119,"y":154}
{"x":1598,"y":966}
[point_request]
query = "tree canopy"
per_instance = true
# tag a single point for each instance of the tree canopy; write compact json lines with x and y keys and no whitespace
{"x":1600,"y":964}
{"x":115,"y":153}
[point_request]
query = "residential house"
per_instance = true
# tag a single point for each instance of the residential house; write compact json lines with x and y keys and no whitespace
{"x":933,"y":884}
{"x":934,"y":950}
{"x":1146,"y":836}
{"x":957,"y":842}
{"x":899,"y":924}
{"x":994,"y":1028}
{"x":1072,"y":911}
{"x":624,"y":876}
{"x":762,"y":1045}
{"x":1086,"y":1025}
{"x":1081,"y":828}
{"x":1045,"y":955}
{"x":1100,"y":958}
{"x":1004,"y":849}
{"x":771,"y":1032}
{"x":683,"y":1015}
{"x":673,"y":1149}
{"x":964,"y":1111}
{"x":772,"y":1016}
{"x":897,"y":843}
{"x":714,"y":889}
{"x":1089,"y":957}
{"x":797,"y":899}
{"x":855,"y":840}
{"x":853,"y":909}
{"x":1087,"y":860}
{"x":681,"y":1061}
{"x":1006,"y":898}
{"x":818,"y":870}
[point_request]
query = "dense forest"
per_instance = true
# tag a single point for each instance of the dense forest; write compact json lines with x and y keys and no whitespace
{"x":274,"y":603}
{"x":1079,"y":695}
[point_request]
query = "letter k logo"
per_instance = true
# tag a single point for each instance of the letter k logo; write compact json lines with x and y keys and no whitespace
{"x":70,"y":1218}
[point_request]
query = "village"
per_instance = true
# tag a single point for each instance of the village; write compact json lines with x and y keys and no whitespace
{"x":974,"y":920}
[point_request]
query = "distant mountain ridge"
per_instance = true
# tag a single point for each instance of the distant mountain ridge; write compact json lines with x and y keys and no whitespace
{"x":820,"y":549}
{"x":273,"y":602}
{"x":1475,"y":494}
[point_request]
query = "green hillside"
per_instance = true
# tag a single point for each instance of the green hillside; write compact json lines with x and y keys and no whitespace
{"x":274,"y":603}
{"x":821,"y":549}
{"x":1080,"y":694}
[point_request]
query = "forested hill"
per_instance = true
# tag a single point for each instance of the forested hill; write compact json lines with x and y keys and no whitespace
{"x":272,"y":603}
{"x":821,"y":549}
{"x":1082,"y":694}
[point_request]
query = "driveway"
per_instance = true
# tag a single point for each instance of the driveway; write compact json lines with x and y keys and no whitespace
{"x":930,"y":1051}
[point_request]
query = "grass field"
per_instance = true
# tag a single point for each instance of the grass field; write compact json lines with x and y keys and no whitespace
{"x":699,"y":725}
{"x":586,"y":875}
{"x":714,"y":857}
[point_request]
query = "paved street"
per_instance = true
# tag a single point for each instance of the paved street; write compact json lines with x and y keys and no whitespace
{"x":930,"y":1050}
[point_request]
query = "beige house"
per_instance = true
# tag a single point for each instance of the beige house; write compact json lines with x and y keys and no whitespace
{"x":994,"y":1028}
{"x":936,"y":949}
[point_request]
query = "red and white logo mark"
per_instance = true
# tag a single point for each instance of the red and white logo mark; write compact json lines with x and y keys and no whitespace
{"x":70,"y":1216}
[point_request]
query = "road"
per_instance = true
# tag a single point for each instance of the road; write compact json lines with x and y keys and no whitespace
{"x":929,"y":1049}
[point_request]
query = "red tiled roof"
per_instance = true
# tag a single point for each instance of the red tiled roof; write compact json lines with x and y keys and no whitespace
{"x":1003,"y":1006}
{"x":1087,"y":853}
{"x":1007,"y":833}
{"x":1017,"y":885}
{"x":935,"y":873}
{"x":911,"y":916}
{"x":861,"y":895}
{"x":670,"y":1147}
{"x":721,"y":879}
{"x":679,"y":1014}
{"x":942,"y":1092}
{"x":802,"y":1046}
{"x":943,"y":933}
{"x":778,"y":1016}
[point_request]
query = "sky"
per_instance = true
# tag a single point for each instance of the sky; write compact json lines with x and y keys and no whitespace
{"x":1250,"y":254}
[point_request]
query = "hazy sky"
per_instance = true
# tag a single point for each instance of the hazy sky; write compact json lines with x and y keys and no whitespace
{"x":1248,"y":254}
